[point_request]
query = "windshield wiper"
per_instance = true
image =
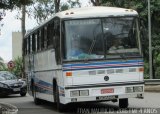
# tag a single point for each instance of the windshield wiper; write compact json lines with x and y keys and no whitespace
{"x":92,"y":44}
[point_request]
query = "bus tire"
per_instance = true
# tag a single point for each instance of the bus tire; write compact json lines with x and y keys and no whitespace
{"x":60,"y":106}
{"x":36,"y":100}
{"x":123,"y":103}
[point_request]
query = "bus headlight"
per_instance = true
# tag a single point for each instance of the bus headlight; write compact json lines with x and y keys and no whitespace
{"x":84,"y":92}
{"x":74,"y":93}
{"x":79,"y":93}
{"x":129,"y":89}
{"x":138,"y":89}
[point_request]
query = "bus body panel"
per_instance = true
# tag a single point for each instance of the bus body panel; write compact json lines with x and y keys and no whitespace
{"x":91,"y":73}
{"x":44,"y":73}
{"x":84,"y":80}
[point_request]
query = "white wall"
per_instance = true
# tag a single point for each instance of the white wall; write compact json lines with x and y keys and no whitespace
{"x":16,"y":45}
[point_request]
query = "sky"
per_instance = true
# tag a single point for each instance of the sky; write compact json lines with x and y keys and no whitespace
{"x":12,"y":24}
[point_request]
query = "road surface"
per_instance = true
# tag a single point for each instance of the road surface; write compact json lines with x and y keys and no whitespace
{"x":149,"y":105}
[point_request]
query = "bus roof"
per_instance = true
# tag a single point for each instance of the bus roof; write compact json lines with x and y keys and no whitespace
{"x":89,"y":12}
{"x":96,"y":11}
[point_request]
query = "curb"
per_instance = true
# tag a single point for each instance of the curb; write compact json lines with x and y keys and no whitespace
{"x":6,"y":108}
{"x":152,"y":88}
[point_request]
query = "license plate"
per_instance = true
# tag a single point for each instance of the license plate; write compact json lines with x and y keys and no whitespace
{"x":108,"y":90}
{"x":16,"y":89}
{"x":107,"y":97}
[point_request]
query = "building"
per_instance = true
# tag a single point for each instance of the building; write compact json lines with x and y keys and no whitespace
{"x":16,"y":45}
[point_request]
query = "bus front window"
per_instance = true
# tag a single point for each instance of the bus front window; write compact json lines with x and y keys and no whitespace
{"x":121,"y":36}
{"x":83,"y":39}
{"x":103,"y":38}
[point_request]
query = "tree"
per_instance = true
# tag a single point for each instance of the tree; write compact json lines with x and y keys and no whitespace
{"x":73,"y":4}
{"x":44,"y":9}
{"x":18,"y":69}
{"x":10,"y":4}
{"x":23,"y":28}
{"x":1,"y":63}
{"x":57,"y":4}
{"x":21,"y":4}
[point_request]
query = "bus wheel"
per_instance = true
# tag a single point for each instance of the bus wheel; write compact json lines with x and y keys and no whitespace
{"x":36,"y":100}
{"x":123,"y":103}
{"x":60,"y":106}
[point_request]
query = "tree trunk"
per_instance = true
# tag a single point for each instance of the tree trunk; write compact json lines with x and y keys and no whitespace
{"x":23,"y":33}
{"x":57,"y":3}
{"x":23,"y":20}
{"x":96,"y":2}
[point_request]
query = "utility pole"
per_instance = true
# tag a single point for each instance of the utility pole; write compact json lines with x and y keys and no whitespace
{"x":150,"y":41}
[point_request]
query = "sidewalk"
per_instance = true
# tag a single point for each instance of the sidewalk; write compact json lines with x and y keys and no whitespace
{"x":152,"y":88}
{"x":6,"y":108}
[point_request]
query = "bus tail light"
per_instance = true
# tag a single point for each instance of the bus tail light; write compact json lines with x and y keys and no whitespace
{"x":68,"y":73}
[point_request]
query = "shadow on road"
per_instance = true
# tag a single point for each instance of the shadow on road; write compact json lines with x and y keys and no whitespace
{"x":27,"y":106}
{"x":75,"y":108}
{"x":89,"y":108}
{"x":9,"y":96}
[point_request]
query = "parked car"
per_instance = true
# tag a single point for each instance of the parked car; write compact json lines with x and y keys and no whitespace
{"x":10,"y":84}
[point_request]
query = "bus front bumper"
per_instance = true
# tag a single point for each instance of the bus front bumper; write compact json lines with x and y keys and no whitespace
{"x":103,"y":98}
{"x":110,"y":93}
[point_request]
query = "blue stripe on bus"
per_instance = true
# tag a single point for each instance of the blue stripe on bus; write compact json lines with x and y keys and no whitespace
{"x":101,"y":68}
{"x":45,"y":87}
{"x":103,"y":65}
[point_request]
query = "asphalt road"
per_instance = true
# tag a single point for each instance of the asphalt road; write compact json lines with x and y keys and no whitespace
{"x":149,"y":105}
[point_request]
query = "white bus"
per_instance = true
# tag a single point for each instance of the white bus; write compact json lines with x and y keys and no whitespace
{"x":85,"y":54}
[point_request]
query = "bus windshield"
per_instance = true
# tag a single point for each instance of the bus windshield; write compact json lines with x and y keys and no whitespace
{"x":112,"y":37}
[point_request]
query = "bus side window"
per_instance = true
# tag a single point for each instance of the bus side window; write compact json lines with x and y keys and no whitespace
{"x":39,"y":40}
{"x":50,"y":33}
{"x":57,"y":40}
{"x":36,"y":43}
{"x":25,"y":46}
{"x":28,"y":45}
{"x":33,"y":43}
{"x":30,"y":48}
{"x":45,"y":37}
{"x":42,"y":38}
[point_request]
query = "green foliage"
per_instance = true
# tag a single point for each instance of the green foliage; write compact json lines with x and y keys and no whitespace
{"x":146,"y":70}
{"x":44,"y":9}
{"x":157,"y":73}
{"x":73,"y":4}
{"x":1,"y":64}
{"x":10,"y":4}
{"x":18,"y":69}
